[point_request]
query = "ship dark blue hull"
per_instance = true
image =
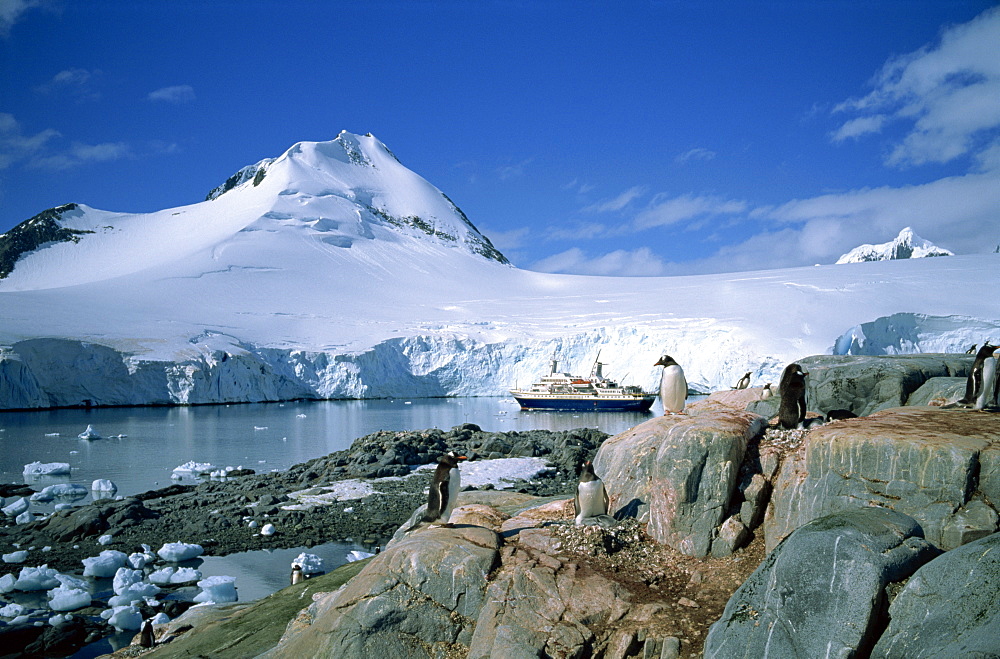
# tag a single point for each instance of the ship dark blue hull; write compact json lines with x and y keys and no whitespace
{"x":586,"y":404}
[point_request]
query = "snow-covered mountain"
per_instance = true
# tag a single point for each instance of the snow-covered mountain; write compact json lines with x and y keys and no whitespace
{"x":907,"y":245}
{"x":333,"y":271}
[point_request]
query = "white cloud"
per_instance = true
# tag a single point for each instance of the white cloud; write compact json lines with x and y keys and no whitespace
{"x":75,"y":82}
{"x":617,"y":203}
{"x":948,"y":94}
{"x":624,"y":263}
{"x":516,"y":170}
{"x":15,"y":145}
{"x":857,"y":127}
{"x":665,"y":211}
{"x":695,"y":154}
{"x":80,"y":154}
{"x":174,"y":94}
{"x":12,"y":10}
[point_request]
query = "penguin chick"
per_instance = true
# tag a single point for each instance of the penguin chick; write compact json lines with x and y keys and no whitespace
{"x":792,"y":389}
{"x":445,"y":486}
{"x":673,"y":385}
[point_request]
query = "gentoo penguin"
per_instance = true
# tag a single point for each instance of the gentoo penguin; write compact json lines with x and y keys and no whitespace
{"x":445,"y":486}
{"x":591,"y":498}
{"x":792,"y":389}
{"x":673,"y":385}
{"x":988,"y":390}
{"x":767,"y":392}
{"x":974,"y":383}
{"x":744,"y":381}
{"x":838,"y":415}
{"x":146,"y":638}
{"x":972,"y":350}
{"x":297,"y":575}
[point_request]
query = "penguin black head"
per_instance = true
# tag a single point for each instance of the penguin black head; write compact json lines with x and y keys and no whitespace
{"x":451,"y":459}
{"x":666,"y":360}
{"x":587,"y":472}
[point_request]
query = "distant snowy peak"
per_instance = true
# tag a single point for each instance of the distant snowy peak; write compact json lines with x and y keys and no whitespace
{"x":361,"y":171}
{"x":907,"y":245}
{"x":349,"y":197}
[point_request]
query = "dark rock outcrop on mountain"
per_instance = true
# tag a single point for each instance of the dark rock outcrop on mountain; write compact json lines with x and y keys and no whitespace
{"x":35,"y":233}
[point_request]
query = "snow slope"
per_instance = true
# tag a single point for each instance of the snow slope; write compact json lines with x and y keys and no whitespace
{"x":338,"y":273}
{"x":907,"y":245}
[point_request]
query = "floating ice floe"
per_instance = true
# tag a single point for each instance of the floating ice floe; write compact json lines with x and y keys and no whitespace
{"x":16,"y":556}
{"x":192,"y":468}
{"x":103,"y":485}
{"x":217,"y":589}
{"x":51,"y":434}
{"x":105,"y":564}
{"x":89,"y":433}
{"x":174,"y":575}
{"x":60,"y":490}
{"x":358,"y":555}
{"x":46,"y":469}
{"x":32,"y":579}
{"x":12,"y":610}
{"x":175,"y":552}
{"x":7,"y":582}
{"x":68,"y":598}
{"x":124,"y":617}
{"x":60,"y":619}
{"x":310,"y":563}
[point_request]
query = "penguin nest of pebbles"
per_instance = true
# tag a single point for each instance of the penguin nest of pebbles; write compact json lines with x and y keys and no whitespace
{"x":625,"y":547}
{"x":787,"y":440}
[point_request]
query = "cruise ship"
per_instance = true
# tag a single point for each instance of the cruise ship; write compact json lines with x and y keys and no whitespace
{"x":562,"y":391}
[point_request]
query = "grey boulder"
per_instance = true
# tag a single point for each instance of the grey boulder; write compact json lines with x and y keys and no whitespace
{"x":949,"y":607}
{"x":821,"y":592}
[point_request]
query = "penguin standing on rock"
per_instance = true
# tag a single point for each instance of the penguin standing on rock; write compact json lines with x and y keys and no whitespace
{"x":591,"y":501}
{"x":673,"y":385}
{"x":987,"y":393}
{"x":445,"y":486}
{"x":972,"y":350}
{"x":974,"y":383}
{"x":744,"y":381}
{"x":146,"y":638}
{"x":767,"y":392}
{"x":792,"y":389}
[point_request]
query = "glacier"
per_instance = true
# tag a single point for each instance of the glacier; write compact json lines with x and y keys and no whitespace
{"x":332,"y":271}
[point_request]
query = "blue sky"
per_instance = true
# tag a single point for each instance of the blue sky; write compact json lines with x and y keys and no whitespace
{"x":632,"y":138}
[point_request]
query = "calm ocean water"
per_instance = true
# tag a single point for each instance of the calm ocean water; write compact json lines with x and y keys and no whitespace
{"x":264,"y":437}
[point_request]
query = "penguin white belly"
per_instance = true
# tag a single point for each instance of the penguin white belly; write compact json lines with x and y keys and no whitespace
{"x":591,"y":498}
{"x":989,"y":377}
{"x":673,"y":389}
{"x":454,"y":487}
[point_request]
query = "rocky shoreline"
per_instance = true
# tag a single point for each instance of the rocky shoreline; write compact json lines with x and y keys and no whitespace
{"x":227,"y":516}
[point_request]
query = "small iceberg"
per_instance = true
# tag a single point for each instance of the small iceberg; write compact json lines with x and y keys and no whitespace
{"x":89,"y":433}
{"x":47,"y":469}
{"x":192,"y":468}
